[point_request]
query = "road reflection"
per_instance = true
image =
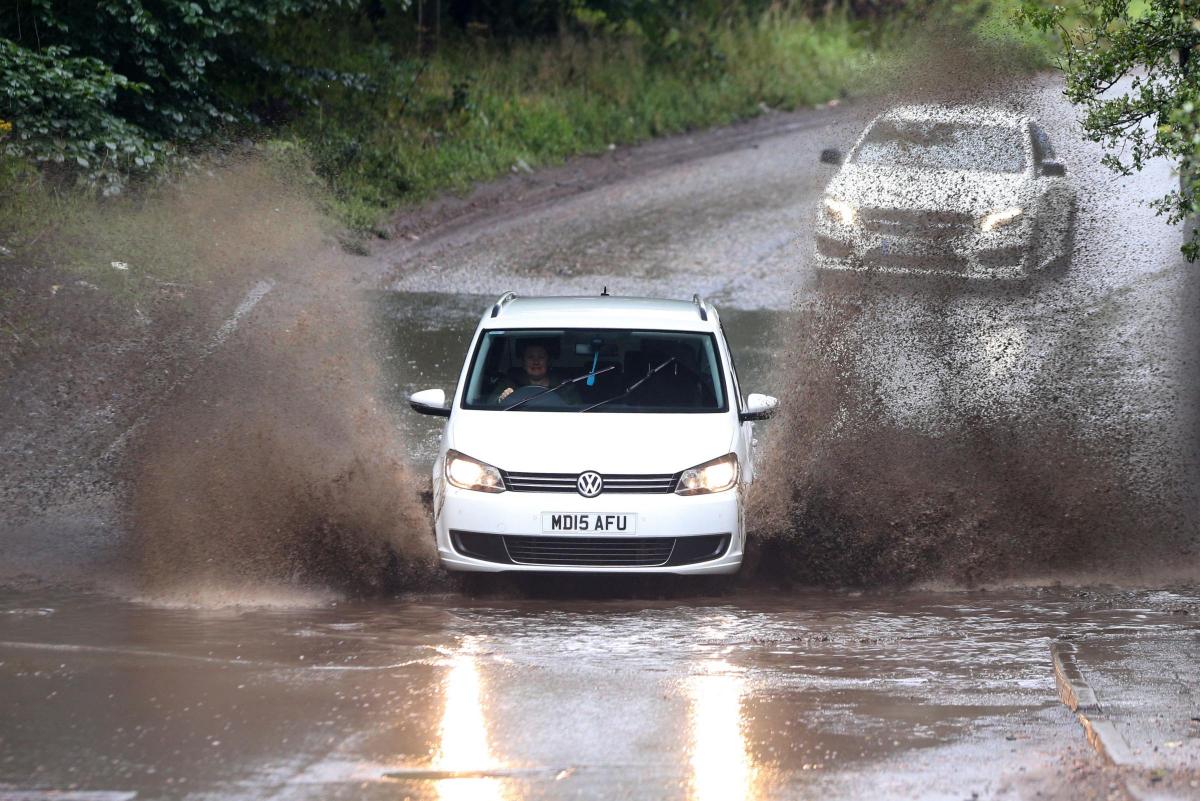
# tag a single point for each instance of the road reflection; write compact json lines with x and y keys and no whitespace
{"x":463,"y":746}
{"x":722,"y":769}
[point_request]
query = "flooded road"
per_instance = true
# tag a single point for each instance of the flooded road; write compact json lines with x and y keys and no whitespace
{"x":294,"y":689}
{"x":830,"y":695}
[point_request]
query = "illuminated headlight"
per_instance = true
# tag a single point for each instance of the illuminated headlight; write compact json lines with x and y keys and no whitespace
{"x":470,"y":474}
{"x":998,"y":218}
{"x":840,"y":210}
{"x":715,"y":476}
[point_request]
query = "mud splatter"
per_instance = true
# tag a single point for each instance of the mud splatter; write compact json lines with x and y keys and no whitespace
{"x":957,"y":482}
{"x":276,"y":464}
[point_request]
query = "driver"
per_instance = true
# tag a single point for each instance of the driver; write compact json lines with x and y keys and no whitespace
{"x":535,"y":372}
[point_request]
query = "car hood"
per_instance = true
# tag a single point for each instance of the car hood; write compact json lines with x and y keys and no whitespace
{"x":571,"y":442}
{"x":917,"y":188}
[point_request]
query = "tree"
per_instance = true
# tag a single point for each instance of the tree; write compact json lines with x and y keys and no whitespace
{"x":103,"y":86}
{"x":1132,"y":66}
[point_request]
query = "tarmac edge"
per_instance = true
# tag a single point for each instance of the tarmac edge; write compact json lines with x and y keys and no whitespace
{"x":1078,"y":696}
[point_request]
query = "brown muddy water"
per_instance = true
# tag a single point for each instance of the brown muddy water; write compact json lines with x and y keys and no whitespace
{"x":931,"y":695}
{"x":971,"y":433}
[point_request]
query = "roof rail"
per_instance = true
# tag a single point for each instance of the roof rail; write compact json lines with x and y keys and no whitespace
{"x":699,"y":305}
{"x":503,"y":300}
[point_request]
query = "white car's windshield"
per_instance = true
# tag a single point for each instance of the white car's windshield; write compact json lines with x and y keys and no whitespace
{"x":943,"y":145}
{"x":594,"y":371}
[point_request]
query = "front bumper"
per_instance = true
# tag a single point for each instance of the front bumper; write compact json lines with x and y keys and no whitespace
{"x":703,"y":520}
{"x":974,"y":255}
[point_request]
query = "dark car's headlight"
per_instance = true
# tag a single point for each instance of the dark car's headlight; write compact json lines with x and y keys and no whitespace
{"x":471,"y":474}
{"x":1000,"y":217}
{"x":840,"y":211}
{"x":716,"y":475}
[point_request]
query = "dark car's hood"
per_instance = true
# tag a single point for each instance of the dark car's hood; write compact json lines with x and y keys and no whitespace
{"x":923,"y":189}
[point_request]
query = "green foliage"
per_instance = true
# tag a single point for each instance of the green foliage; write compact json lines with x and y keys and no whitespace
{"x":182,"y":53}
{"x":60,"y":110}
{"x":474,"y":109}
{"x":105,"y":87}
{"x":1133,"y":68}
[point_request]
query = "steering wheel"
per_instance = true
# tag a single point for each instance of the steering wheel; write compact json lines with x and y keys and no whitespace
{"x":552,"y":399}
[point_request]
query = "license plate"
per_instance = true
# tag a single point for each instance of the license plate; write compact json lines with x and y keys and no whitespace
{"x":589,"y":523}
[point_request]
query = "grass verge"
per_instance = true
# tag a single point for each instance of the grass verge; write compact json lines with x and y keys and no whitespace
{"x":475,"y":110}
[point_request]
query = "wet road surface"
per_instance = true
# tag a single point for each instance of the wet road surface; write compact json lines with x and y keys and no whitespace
{"x":296,"y":693}
{"x":830,"y":695}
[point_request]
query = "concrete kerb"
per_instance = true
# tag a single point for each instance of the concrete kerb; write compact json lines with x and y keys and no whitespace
{"x":1078,"y":696}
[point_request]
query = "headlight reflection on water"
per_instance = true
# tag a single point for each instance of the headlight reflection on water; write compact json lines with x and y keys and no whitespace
{"x":720,"y":765}
{"x":463,"y":738}
{"x":722,"y":769}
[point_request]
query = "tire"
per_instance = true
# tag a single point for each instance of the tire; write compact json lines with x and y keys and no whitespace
{"x":1058,"y":266}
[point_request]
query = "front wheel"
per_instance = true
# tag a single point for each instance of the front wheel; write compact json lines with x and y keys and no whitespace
{"x":1060,"y":241}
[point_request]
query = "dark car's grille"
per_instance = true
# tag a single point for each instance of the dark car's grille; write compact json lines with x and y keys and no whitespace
{"x":945,"y":262}
{"x":915,"y":223}
{"x":590,"y":551}
{"x":565,"y":482}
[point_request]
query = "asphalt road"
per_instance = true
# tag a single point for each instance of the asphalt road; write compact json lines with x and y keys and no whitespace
{"x":290,"y":691}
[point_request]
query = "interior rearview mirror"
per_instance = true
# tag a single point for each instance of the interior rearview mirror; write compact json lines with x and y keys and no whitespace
{"x":759,"y":407}
{"x":429,"y":401}
{"x":596,"y":346}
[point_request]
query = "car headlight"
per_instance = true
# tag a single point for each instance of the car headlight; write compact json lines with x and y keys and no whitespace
{"x":840,"y":210}
{"x":1002,"y":217}
{"x":717,"y":475}
{"x":471,"y":474}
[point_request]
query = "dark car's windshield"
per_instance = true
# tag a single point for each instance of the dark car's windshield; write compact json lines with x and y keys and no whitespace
{"x":943,"y":145}
{"x":531,"y":370}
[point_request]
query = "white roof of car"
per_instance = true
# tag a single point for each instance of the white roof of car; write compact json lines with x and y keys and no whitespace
{"x":600,"y":311}
{"x":971,"y":115}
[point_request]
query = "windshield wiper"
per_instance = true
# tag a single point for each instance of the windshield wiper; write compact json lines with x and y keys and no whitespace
{"x":631,"y":387}
{"x":557,"y":387}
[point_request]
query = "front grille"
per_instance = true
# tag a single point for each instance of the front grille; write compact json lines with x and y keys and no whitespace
{"x":915,"y":223}
{"x":943,"y":261}
{"x":565,"y":482}
{"x":590,"y":551}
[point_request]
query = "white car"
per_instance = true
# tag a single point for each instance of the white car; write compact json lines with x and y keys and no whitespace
{"x":594,"y":434}
{"x":969,"y":192}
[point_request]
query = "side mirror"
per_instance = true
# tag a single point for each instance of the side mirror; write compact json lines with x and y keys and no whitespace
{"x":759,"y":407}
{"x":831,"y":155}
{"x":429,"y":401}
{"x":1053,"y":169}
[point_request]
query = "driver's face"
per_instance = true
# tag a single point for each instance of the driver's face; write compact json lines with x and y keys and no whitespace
{"x":537,"y":361}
